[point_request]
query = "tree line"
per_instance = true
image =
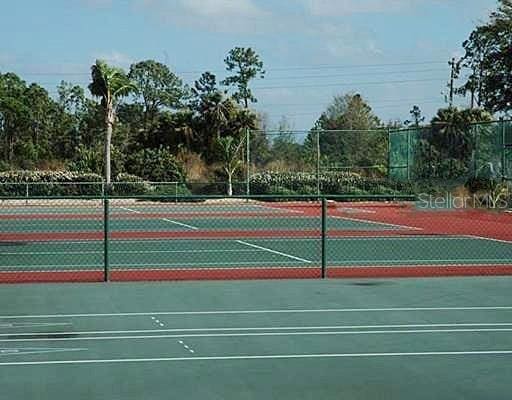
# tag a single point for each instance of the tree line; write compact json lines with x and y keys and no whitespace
{"x":146,"y":122}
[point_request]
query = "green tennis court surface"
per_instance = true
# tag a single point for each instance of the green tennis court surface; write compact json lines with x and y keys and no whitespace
{"x":185,"y":224}
{"x":311,"y":339}
{"x":177,"y":253}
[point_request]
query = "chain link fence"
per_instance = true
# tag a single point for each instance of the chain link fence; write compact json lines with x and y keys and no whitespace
{"x":148,"y":238}
{"x":450,"y":156}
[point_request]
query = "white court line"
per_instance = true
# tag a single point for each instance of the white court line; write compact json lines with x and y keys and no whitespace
{"x":22,"y":352}
{"x":164,"y":219}
{"x":271,"y":328}
{"x":180,"y":223}
{"x":273,"y":251}
{"x":259,"y":334}
{"x":355,"y":210}
{"x":141,"y":267}
{"x":265,"y":357}
{"x":275,"y":311}
{"x":280,"y":209}
{"x":377,"y":223}
{"x":50,"y":253}
{"x":335,"y":238}
{"x":398,"y":237}
{"x":129,"y":209}
{"x":315,"y":239}
{"x":21,"y":325}
{"x":487,"y":238}
{"x":453,"y":262}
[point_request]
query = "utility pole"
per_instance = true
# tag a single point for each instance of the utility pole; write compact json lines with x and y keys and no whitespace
{"x":452,"y":64}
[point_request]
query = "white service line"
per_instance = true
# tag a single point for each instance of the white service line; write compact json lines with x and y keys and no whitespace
{"x":273,"y":251}
{"x":261,"y":334}
{"x":265,"y":357}
{"x":294,"y":239}
{"x":141,"y":266}
{"x":50,"y":253}
{"x":24,"y":351}
{"x":378,"y":223}
{"x":271,"y":328}
{"x":454,"y":262}
{"x":399,"y":237}
{"x":270,"y":311}
{"x":180,"y":223}
{"x":487,"y":238}
{"x":164,"y":219}
{"x":281,"y":209}
{"x":186,"y":346}
{"x":158,"y":322}
{"x":14,"y":325}
{"x":130,"y":209}
{"x":356,"y":210}
{"x":161,"y":324}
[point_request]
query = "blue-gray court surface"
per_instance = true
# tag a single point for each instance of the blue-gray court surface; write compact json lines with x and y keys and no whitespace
{"x":436,"y":338}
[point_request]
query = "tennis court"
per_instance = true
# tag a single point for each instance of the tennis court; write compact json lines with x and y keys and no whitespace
{"x":286,"y":339}
{"x":147,"y":240}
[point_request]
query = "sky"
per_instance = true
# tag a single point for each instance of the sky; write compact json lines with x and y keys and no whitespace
{"x":394,"y":53}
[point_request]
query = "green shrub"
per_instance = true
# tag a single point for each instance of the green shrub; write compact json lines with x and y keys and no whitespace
{"x":49,"y":183}
{"x":216,"y":188}
{"x":130,"y":185}
{"x":333,"y":183}
{"x":171,"y":193}
{"x":157,"y":165}
{"x":67,"y":183}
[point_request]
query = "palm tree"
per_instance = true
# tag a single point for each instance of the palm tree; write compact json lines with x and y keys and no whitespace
{"x":229,"y":148}
{"x":110,"y":84}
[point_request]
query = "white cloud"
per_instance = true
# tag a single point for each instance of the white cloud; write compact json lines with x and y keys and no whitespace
{"x":6,"y":59}
{"x":231,"y":16}
{"x":333,"y":8}
{"x":97,"y":3}
{"x":115,"y":58}
{"x":222,"y":8}
{"x":342,"y":41}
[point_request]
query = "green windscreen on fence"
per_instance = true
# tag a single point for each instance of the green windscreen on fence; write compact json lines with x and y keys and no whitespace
{"x":452,"y":155}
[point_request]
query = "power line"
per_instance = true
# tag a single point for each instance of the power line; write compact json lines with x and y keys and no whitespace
{"x":389,"y":106}
{"x":290,"y":68}
{"x":356,"y":74}
{"x":334,"y":66}
{"x":318,"y":85}
{"x":347,"y":84}
{"x":54,"y":73}
{"x":310,"y":76}
{"x":415,"y":100}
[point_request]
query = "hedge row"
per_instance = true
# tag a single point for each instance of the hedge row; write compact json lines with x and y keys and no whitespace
{"x":66,"y":183}
{"x":291,"y":183}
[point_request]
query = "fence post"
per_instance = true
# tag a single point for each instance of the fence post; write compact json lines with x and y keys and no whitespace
{"x":248,"y":161}
{"x":476,"y":152}
{"x":106,"y":237}
{"x":318,"y":163}
{"x":324,"y":236}
{"x":408,"y":155}
{"x":389,"y":153}
{"x":503,"y":150}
